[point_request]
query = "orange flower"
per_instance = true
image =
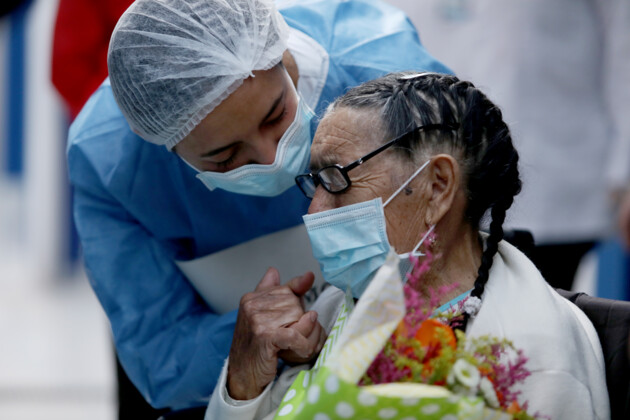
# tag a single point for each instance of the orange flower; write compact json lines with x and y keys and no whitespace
{"x":485,"y":372}
{"x":428,"y":335}
{"x":514,"y":408}
{"x":432,"y":336}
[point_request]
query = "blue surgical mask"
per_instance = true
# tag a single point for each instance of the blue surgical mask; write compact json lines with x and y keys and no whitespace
{"x":350,"y":243}
{"x":292,"y":157}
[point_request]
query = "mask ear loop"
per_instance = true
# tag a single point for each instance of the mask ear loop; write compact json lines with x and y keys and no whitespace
{"x":415,"y":252}
{"x":408,"y":269}
{"x":404,"y":185}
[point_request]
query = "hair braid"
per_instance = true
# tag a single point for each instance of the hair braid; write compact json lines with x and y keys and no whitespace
{"x":492,"y":244}
{"x":505,"y":180}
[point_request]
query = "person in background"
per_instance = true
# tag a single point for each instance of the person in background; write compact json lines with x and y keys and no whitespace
{"x":183,"y":164}
{"x":561,"y":71}
{"x":80,"y":42}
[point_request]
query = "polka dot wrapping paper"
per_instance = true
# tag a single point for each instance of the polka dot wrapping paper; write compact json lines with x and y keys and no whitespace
{"x":322,"y":395}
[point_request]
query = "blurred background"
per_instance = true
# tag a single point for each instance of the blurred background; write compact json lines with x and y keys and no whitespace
{"x":56,"y":358}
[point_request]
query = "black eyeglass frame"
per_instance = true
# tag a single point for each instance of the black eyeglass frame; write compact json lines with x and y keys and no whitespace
{"x":343,"y":170}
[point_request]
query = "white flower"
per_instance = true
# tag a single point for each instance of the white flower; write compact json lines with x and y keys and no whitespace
{"x":472,"y":304}
{"x":466,"y":374}
{"x":489,"y":394}
{"x":450,"y":379}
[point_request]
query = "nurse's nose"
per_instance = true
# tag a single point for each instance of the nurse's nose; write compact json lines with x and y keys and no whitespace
{"x":266,"y":146}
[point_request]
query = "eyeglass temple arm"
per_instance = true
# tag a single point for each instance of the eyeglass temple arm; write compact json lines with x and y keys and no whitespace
{"x":392,"y":142}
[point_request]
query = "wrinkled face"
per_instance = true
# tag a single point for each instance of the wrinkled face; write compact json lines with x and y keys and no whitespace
{"x":347,"y":135}
{"x":246,"y":127}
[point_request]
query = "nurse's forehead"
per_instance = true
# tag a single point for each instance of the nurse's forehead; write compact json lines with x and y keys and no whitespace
{"x":342,"y":137}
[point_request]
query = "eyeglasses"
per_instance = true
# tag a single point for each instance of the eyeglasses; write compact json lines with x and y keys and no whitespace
{"x":335,"y":178}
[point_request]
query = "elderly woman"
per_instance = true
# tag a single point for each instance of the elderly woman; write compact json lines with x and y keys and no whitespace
{"x":391,"y":160}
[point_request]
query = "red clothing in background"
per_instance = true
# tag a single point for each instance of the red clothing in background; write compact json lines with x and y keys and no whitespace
{"x":79,"y":60}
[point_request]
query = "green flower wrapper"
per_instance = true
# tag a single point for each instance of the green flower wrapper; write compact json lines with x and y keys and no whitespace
{"x":322,"y":395}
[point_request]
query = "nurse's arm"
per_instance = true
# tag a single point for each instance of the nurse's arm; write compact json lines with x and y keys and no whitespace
{"x":170,"y":344}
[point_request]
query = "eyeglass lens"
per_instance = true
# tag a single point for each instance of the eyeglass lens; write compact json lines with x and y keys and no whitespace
{"x":307,"y":185}
{"x":332,"y":179}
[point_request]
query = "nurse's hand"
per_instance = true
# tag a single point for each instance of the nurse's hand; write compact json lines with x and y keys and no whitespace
{"x":271,"y":320}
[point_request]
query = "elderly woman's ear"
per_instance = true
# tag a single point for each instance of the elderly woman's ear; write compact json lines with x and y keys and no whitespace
{"x":443,"y":182}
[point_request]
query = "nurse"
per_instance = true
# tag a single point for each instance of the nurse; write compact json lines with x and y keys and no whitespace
{"x":183,"y":164}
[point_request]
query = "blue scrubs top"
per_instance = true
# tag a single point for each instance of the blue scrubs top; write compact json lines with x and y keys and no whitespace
{"x":139,"y":207}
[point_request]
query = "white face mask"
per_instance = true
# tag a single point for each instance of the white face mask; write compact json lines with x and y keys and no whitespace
{"x":350,"y":243}
{"x":292,"y":158}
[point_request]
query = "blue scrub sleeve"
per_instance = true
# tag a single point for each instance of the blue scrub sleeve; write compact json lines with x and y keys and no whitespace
{"x":169,"y":342}
{"x":365,"y":39}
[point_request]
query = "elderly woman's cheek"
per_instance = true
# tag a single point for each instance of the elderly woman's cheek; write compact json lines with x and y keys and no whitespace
{"x":322,"y":200}
{"x":406,"y":225}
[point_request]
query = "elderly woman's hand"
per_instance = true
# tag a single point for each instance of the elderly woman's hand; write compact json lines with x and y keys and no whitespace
{"x":271,"y":320}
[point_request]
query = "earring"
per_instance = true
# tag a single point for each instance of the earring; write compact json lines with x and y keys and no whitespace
{"x":432,"y":237}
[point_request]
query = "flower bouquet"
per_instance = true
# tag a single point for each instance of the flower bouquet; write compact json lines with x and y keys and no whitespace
{"x":393,"y":356}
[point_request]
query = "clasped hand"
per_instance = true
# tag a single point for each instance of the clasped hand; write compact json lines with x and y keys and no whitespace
{"x":271,"y":323}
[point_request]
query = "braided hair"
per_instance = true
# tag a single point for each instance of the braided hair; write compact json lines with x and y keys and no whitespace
{"x":480,"y":141}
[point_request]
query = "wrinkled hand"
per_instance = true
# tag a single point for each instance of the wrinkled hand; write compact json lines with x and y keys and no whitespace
{"x":271,"y":321}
